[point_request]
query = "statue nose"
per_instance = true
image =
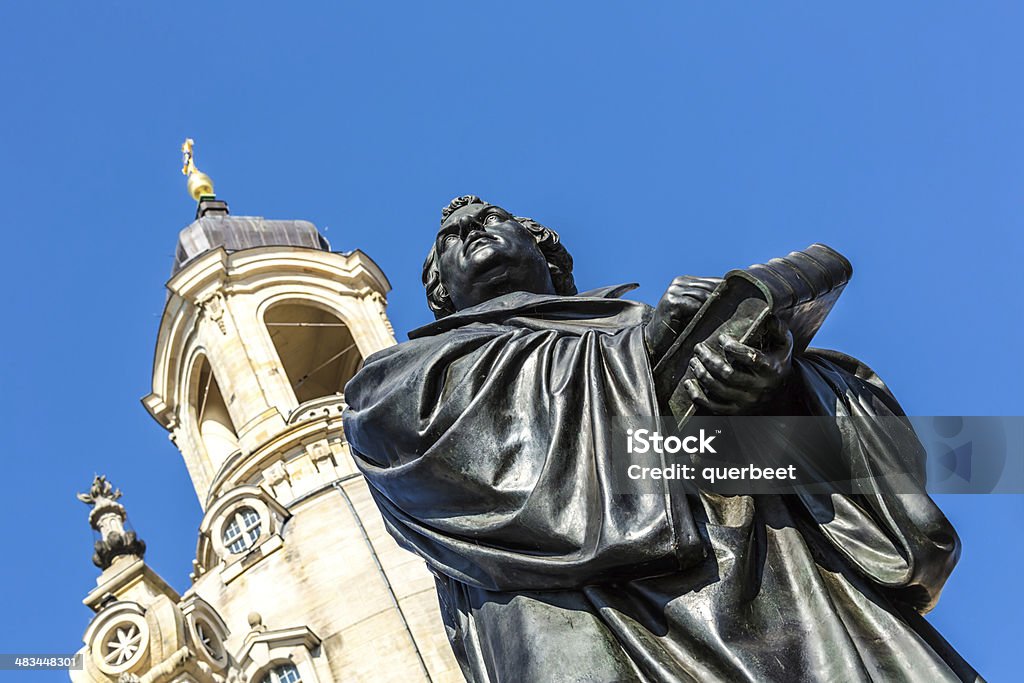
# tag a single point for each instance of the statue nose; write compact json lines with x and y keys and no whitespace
{"x":467,"y":224}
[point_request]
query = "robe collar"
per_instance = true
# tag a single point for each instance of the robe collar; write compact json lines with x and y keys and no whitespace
{"x":600,"y":307}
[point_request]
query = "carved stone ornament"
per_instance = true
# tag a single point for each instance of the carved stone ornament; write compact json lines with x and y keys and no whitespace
{"x":275,"y":474}
{"x":107,"y":517}
{"x":212,"y":307}
{"x":319,"y":451}
{"x":382,"y":304}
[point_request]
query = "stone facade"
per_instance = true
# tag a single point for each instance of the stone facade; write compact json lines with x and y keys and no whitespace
{"x":295,"y":577}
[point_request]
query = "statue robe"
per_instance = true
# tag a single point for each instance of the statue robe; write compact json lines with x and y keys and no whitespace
{"x":485,"y":444}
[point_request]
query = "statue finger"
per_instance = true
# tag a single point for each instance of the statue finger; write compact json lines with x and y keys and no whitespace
{"x":701,"y":399}
{"x":697,"y":291}
{"x":717,"y":389}
{"x":737,"y":374}
{"x":705,"y":284}
{"x":714,"y":361}
{"x":708,"y":283}
{"x":692,"y":297}
{"x":753,"y":360}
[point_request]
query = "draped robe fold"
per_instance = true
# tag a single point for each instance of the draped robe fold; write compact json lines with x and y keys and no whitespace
{"x":485,"y":444}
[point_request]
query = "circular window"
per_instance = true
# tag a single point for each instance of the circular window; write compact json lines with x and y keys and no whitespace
{"x":121,"y":645}
{"x":242,"y":530}
{"x":209,"y":640}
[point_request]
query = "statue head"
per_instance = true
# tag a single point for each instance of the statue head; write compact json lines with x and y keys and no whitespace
{"x":482,"y":251}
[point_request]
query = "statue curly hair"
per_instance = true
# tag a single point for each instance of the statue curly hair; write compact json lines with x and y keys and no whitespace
{"x":558,"y":258}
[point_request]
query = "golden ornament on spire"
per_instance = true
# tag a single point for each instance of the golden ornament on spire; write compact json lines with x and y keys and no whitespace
{"x":199,"y":184}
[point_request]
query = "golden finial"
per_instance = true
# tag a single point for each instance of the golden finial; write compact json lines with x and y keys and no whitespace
{"x":199,"y":184}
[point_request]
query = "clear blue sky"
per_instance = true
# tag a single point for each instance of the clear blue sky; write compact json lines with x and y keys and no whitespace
{"x":659,"y":138}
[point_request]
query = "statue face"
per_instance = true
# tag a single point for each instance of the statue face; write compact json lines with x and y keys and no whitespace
{"x":483,"y":252}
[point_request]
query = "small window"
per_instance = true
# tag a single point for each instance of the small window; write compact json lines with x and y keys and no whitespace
{"x":242,"y":530}
{"x":285,"y":673}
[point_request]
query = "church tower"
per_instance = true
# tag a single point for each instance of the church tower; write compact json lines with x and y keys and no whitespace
{"x":295,"y":577}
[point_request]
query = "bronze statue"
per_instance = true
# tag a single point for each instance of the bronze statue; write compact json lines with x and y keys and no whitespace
{"x":485,"y":443}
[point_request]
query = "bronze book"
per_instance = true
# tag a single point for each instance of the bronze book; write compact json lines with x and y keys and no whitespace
{"x":800,"y":289}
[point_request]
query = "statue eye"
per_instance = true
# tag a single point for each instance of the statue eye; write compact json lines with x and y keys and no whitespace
{"x":492,"y":219}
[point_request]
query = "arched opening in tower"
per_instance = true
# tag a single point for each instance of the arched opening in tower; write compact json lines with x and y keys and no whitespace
{"x":216,"y":429}
{"x":316,"y":349}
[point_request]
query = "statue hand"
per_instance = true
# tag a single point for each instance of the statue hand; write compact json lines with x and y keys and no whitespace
{"x":677,"y":306}
{"x":739,"y":378}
